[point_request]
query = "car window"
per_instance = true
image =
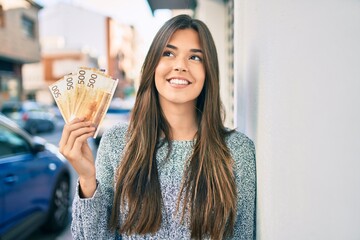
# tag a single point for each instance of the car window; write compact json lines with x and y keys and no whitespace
{"x":11,"y":143}
{"x":9,"y":109}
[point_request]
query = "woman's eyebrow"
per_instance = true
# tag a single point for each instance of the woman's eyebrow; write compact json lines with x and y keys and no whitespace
{"x":195,"y":50}
{"x":171,"y":46}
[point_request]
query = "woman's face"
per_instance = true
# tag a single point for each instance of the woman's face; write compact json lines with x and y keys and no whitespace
{"x":180,"y":73}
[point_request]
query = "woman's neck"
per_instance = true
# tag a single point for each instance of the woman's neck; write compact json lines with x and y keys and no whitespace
{"x":182,"y":120}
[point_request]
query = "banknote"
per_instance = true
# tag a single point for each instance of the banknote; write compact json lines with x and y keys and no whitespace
{"x":94,"y":96}
{"x":86,"y":93}
{"x":63,"y":92}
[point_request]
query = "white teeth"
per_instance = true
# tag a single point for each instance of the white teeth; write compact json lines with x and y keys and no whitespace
{"x":178,"y":81}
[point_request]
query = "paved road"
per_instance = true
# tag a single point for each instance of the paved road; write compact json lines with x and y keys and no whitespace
{"x":54,"y":138}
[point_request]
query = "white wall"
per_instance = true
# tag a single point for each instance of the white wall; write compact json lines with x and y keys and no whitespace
{"x":298,"y":97}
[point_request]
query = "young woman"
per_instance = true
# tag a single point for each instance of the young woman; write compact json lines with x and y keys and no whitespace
{"x":175,"y":171}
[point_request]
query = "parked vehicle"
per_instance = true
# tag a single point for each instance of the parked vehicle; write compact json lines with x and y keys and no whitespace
{"x":34,"y":183}
{"x":30,"y":115}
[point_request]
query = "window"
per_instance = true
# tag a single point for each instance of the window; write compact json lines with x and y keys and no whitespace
{"x":12,"y":144}
{"x":2,"y":17}
{"x":28,"y":26}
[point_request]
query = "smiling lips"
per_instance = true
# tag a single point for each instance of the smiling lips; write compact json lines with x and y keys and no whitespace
{"x":176,"y":81}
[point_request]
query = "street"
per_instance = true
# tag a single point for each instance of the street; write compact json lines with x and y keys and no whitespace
{"x":54,"y":138}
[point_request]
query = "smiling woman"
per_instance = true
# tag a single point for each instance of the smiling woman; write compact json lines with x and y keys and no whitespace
{"x":180,"y":73}
{"x":179,"y":173}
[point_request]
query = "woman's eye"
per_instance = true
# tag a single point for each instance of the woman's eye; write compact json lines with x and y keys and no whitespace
{"x":196,"y":58}
{"x":167,"y":54}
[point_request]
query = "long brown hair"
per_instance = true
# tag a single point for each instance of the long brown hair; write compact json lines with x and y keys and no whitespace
{"x":208,"y":188}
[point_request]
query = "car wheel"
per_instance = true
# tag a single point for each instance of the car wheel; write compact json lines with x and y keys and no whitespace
{"x":58,"y":217}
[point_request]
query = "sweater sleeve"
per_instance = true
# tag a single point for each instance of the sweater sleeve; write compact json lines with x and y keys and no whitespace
{"x":91,"y":215}
{"x":243,"y":153}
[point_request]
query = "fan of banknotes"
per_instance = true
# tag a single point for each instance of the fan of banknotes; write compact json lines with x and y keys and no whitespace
{"x":86,"y":93}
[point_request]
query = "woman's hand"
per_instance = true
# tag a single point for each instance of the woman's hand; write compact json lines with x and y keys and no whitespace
{"x":74,"y":146}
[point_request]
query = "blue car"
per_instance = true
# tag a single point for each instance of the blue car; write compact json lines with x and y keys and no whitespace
{"x":34,"y":184}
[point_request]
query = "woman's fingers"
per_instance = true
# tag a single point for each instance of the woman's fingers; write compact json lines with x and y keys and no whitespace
{"x":73,"y":145}
{"x":79,"y":141}
{"x":67,"y":130}
{"x":71,"y":132}
{"x":76,"y":139}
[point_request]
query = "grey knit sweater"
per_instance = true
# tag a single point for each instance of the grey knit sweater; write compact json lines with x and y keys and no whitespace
{"x":91,"y":215}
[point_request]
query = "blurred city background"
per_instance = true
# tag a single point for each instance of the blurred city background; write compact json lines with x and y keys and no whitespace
{"x":289,"y":80}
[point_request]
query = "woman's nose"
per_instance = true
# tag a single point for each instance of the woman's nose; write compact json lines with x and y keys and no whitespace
{"x":180,"y":66}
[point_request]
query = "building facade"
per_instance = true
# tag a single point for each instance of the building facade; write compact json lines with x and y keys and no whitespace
{"x":19,"y":44}
{"x":73,"y":36}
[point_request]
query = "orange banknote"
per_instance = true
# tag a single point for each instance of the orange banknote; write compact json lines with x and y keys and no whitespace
{"x":86,"y":93}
